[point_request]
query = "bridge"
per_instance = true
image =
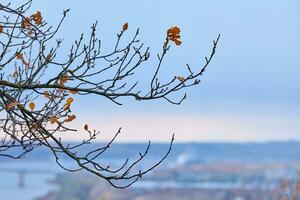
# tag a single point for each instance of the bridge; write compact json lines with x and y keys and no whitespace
{"x":22,"y":173}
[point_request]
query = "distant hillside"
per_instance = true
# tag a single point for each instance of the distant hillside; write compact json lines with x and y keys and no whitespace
{"x":200,"y":152}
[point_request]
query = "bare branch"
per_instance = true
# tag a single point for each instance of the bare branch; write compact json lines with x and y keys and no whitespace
{"x":31,"y":74}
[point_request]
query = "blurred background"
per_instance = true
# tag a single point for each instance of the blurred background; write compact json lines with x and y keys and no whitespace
{"x":237,"y":134}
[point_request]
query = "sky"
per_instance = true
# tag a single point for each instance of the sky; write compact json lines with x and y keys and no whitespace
{"x":250,"y":91}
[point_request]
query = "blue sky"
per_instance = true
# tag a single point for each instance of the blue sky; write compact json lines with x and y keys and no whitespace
{"x":249,"y":92}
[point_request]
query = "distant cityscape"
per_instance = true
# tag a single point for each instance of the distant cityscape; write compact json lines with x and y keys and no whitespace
{"x":206,"y":171}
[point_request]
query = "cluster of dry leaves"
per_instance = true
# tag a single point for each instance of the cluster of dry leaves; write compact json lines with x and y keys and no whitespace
{"x":36,"y":19}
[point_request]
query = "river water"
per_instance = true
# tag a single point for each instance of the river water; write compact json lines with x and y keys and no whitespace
{"x":35,"y":182}
{"x":39,"y":173}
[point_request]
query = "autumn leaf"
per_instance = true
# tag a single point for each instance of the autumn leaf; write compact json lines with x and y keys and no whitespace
{"x":20,"y":106}
{"x":73,"y":91}
{"x":177,"y":42}
{"x":20,"y":56}
{"x":1,"y":29}
{"x":26,"y":23}
{"x":70,"y":118}
{"x":31,"y":106}
{"x":60,"y":90}
{"x":53,"y":119}
{"x":173,"y":34}
{"x":37,"y":18}
{"x":30,"y":33}
{"x":181,"y":78}
{"x":125,"y":26}
{"x":86,"y":127}
{"x":47,"y":94}
{"x":11,"y":105}
{"x":49,"y":56}
{"x":63,"y":79}
{"x":26,"y":64}
{"x":68,"y":103}
{"x":66,"y":107}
